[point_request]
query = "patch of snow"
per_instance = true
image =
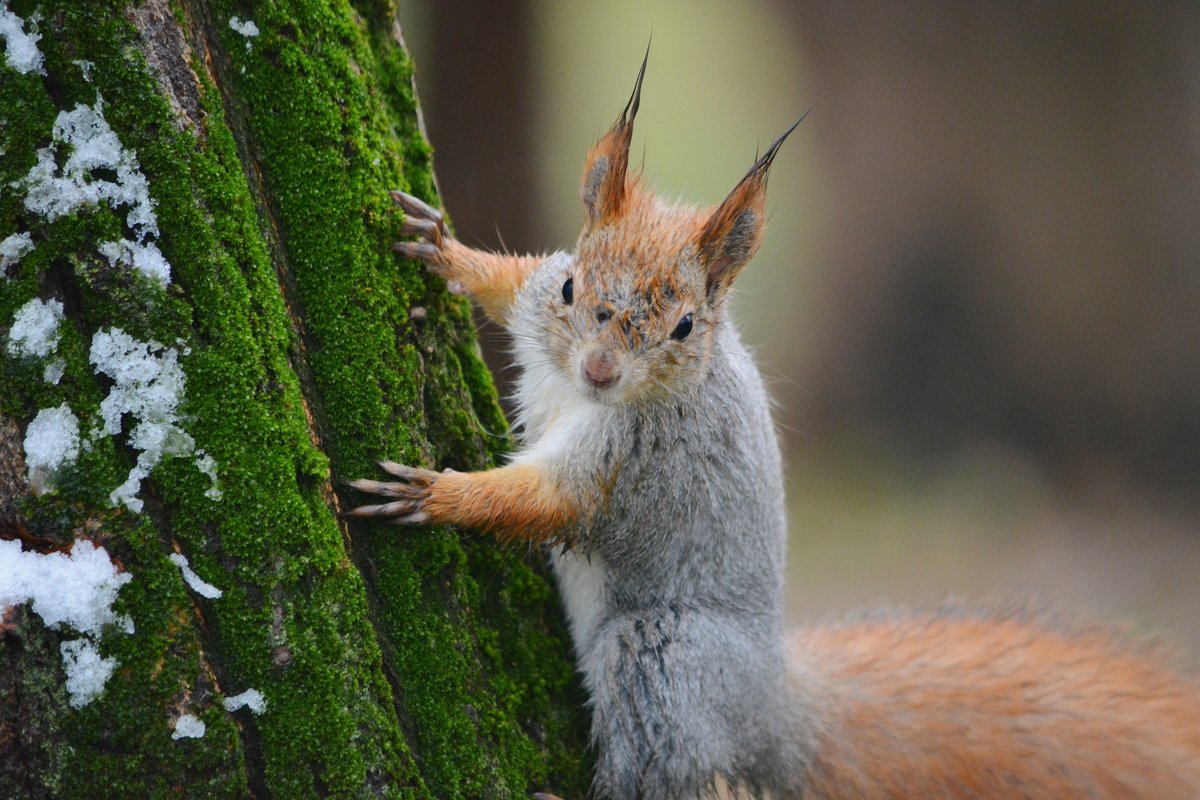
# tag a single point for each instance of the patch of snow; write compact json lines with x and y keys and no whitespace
{"x":54,"y":192}
{"x":246,"y":28}
{"x":251,"y":698}
{"x":75,"y":589}
{"x":54,"y":371}
{"x":91,"y":145}
{"x":13,"y":249}
{"x":188,"y":727}
{"x":198,"y":584}
{"x":20,"y":48}
{"x":35,"y":329}
{"x":51,"y":441}
{"x":85,"y":67}
{"x":145,"y":258}
{"x":149,"y":385}
{"x":208,"y":465}
{"x":127,"y":492}
{"x":87,"y":671}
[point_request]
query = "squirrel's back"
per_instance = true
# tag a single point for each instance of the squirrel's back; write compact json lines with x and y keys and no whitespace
{"x":962,"y":704}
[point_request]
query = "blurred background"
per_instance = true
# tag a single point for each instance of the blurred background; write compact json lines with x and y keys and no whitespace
{"x":978,"y":304}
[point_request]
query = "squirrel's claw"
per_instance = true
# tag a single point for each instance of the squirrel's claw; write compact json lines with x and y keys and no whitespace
{"x":403,"y":512}
{"x":427,"y":229}
{"x":387,"y":489}
{"x":410,"y":494}
{"x":421,"y":219}
{"x":422,"y":251}
{"x":427,"y":224}
{"x":406,"y":473}
{"x":416,"y":207}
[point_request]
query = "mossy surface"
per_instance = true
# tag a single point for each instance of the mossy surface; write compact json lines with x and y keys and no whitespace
{"x":394,"y":663}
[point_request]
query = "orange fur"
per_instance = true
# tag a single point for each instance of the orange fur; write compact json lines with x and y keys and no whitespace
{"x":955,"y":706}
{"x":518,"y":501}
{"x":649,"y":243}
{"x":649,"y":232}
{"x":491,"y":279}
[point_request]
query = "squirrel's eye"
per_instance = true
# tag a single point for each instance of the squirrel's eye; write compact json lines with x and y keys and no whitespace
{"x":569,"y":291}
{"x":683,"y":328}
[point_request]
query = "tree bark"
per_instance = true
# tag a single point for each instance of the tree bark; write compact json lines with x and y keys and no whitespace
{"x":393,"y":663}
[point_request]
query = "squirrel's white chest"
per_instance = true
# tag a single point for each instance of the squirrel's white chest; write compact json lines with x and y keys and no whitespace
{"x":581,"y":580}
{"x":561,"y":427}
{"x":557,"y":423}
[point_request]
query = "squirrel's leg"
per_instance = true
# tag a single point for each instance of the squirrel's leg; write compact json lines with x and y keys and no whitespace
{"x":491,"y":279}
{"x":517,"y":501}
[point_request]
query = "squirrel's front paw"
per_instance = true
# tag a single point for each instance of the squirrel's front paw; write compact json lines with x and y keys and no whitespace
{"x":410,"y":495}
{"x":425,"y":222}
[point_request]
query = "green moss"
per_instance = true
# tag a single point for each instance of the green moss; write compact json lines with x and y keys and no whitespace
{"x":404,"y":665}
{"x":478,"y":729}
{"x":118,"y":746}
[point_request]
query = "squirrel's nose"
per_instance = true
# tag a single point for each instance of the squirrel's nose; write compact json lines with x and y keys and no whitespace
{"x":600,"y":369}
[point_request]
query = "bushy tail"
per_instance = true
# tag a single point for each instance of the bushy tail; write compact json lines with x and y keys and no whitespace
{"x":953,"y":704}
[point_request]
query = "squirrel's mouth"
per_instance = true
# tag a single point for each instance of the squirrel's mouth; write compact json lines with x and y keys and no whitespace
{"x":602,"y":383}
{"x":610,"y":393}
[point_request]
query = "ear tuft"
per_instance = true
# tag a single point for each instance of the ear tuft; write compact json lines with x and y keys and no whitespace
{"x":604,"y":169}
{"x":733,"y":233}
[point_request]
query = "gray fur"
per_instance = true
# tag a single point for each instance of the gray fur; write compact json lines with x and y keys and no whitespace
{"x":674,"y":592}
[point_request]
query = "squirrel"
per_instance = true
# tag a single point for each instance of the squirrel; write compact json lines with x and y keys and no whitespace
{"x":648,"y":452}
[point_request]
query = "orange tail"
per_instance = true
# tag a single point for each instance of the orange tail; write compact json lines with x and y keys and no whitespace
{"x":959,"y":705}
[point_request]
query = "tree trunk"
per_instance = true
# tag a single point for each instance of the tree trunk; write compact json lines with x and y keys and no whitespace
{"x":190,"y":373}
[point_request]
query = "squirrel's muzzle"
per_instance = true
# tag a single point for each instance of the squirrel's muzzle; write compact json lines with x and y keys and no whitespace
{"x":600,"y":369}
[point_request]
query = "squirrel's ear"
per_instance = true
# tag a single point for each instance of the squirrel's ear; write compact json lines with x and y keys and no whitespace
{"x":733,"y":233}
{"x":604,"y":168}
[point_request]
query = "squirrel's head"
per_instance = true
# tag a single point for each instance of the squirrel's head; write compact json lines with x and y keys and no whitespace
{"x":646,"y":296}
